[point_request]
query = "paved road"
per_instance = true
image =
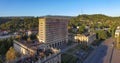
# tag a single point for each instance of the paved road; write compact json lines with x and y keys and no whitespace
{"x":116,"y":56}
{"x":7,"y":36}
{"x":103,"y":53}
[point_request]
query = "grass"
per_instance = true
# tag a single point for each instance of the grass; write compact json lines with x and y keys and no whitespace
{"x":83,"y":47}
{"x":96,"y":43}
{"x":72,"y":50}
{"x":68,"y":58}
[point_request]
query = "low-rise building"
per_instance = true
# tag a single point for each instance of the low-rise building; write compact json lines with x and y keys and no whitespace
{"x":85,"y":38}
{"x":3,"y":32}
{"x":36,"y":52}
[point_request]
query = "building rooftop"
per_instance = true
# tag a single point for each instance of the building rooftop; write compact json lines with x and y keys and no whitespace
{"x":86,"y":34}
{"x":117,"y":30}
{"x":40,"y":53}
{"x":118,"y":27}
{"x":34,"y":45}
{"x":56,"y":16}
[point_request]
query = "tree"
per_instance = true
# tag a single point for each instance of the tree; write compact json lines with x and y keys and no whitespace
{"x":2,"y":48}
{"x":28,"y":39}
{"x":1,"y":59}
{"x":17,"y":23}
{"x":11,"y":54}
{"x":81,"y":29}
{"x":102,"y":35}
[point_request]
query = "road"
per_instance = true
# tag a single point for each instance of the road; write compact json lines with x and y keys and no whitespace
{"x":116,"y":56}
{"x":103,"y":53}
{"x":7,"y":36}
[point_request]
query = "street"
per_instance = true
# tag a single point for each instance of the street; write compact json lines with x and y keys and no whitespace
{"x":7,"y":36}
{"x":103,"y":53}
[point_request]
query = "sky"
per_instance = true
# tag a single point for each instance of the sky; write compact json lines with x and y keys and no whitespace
{"x":59,"y":7}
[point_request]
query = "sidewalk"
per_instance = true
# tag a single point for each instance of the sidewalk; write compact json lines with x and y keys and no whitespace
{"x":116,"y":56}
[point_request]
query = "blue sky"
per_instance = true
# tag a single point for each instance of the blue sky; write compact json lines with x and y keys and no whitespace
{"x":59,"y":7}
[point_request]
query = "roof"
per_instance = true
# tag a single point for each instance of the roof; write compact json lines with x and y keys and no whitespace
{"x":40,"y":53}
{"x":56,"y":16}
{"x":117,"y":31}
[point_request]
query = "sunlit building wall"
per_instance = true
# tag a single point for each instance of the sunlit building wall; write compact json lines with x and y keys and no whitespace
{"x":53,"y":30}
{"x":117,"y":37}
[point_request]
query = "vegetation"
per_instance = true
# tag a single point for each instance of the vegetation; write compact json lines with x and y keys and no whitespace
{"x":28,"y":38}
{"x":81,"y":29}
{"x":5,"y":44}
{"x":11,"y":54}
{"x":95,"y":22}
{"x":16,"y":24}
{"x":71,"y":51}
{"x":68,"y":58}
{"x":69,"y":42}
{"x":96,"y":43}
{"x":102,"y":35}
{"x":1,"y":59}
{"x":83,"y":47}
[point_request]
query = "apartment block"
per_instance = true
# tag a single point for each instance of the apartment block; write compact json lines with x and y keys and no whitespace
{"x":53,"y":30}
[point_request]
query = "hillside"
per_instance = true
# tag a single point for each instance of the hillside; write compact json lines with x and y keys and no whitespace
{"x":17,"y":23}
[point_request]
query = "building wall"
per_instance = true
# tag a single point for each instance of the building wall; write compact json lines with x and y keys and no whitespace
{"x":81,"y":38}
{"x":92,"y":38}
{"x":42,"y":30}
{"x":53,"y":58}
{"x":85,"y":39}
{"x":53,"y":30}
{"x":71,"y":37}
{"x":20,"y":48}
{"x":117,"y":40}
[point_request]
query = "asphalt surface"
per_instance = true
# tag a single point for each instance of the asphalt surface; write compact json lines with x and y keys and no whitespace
{"x":116,"y":56}
{"x":6,"y":36}
{"x":103,"y":53}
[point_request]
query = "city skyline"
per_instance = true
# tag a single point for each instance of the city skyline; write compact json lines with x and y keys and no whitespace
{"x":62,"y":7}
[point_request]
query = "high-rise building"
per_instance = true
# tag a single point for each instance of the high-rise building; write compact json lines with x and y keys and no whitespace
{"x":117,"y":37}
{"x":53,"y":30}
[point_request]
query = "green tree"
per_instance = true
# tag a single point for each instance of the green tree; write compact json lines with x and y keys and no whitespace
{"x":102,"y":35}
{"x":81,"y":29}
{"x":2,"y":48}
{"x":15,"y":24}
{"x":1,"y":61}
{"x":11,"y":54}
